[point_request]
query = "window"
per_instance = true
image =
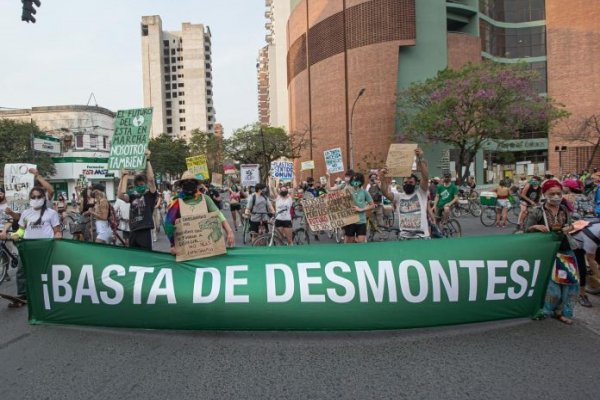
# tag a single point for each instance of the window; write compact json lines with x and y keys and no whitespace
{"x":173,"y":69}
{"x":166,"y":43}
{"x":182,"y":111}
{"x":179,"y":58}
{"x":168,"y":113}
{"x":179,"y":67}
{"x":181,"y":102}
{"x":172,"y":52}
{"x":104,"y":142}
{"x":166,"y":60}
{"x":182,"y":128}
{"x":180,"y":76}
{"x":166,"y":52}
{"x":180,"y":84}
{"x":210,"y":127}
{"x":173,"y":59}
{"x":207,"y":66}
{"x":167,"y":86}
{"x":174,"y":86}
{"x":174,"y":94}
{"x":173,"y":77}
{"x":79,"y":141}
{"x":168,"y":104}
{"x":181,"y":119}
{"x":167,"y":78}
{"x":144,"y":30}
{"x":166,"y":69}
{"x":168,"y":95}
{"x":169,"y":121}
{"x":182,"y":93}
{"x":169,"y":129}
{"x":94,"y":141}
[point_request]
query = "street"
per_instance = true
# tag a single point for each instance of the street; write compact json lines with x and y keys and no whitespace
{"x":504,"y":359}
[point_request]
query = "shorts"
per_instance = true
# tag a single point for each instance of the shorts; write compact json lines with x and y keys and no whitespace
{"x":283,"y":224}
{"x":254,"y":226}
{"x":355,"y":230}
{"x":439,"y":212}
{"x":141,"y":239}
{"x":502,"y":203}
{"x":235,"y":206}
{"x":103,"y":231}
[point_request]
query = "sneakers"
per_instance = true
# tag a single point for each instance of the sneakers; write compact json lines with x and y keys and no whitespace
{"x":593,"y":291}
{"x":584,"y":301}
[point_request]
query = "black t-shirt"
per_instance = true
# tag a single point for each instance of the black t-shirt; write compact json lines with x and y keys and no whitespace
{"x":140,"y":212}
{"x":214,"y":195}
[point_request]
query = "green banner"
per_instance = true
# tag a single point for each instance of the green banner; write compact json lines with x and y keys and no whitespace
{"x":130,"y":139}
{"x":331,"y":287}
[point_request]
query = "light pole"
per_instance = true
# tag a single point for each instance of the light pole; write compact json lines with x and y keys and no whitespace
{"x":351,"y":161}
{"x":560,"y":150}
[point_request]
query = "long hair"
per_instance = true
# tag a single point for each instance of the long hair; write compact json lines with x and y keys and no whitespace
{"x":43,"y":192}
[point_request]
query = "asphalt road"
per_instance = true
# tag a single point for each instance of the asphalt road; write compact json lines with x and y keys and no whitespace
{"x":516,"y":359}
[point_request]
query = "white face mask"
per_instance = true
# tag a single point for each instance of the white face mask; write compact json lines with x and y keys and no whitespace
{"x":555,"y":200}
{"x":36,"y":203}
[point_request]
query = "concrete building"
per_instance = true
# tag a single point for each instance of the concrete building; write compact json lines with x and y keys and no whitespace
{"x":336,"y":48}
{"x":177,"y":77}
{"x":262,"y":78}
{"x":84,"y":134}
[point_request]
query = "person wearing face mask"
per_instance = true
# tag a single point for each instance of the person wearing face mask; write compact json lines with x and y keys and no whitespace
{"x":357,"y":233}
{"x":553,"y":216}
{"x":190,"y":200}
{"x":340,"y":184}
{"x":283,"y":217}
{"x":412,"y":201}
{"x":530,"y":195}
{"x":446,"y":196}
{"x":37,"y":222}
{"x":142,"y":200}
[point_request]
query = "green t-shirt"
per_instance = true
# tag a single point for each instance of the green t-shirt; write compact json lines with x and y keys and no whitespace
{"x":361,"y":199}
{"x":446,"y":194}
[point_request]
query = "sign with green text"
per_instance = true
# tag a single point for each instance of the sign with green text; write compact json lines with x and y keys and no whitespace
{"x":130,"y":139}
{"x":370,"y":286}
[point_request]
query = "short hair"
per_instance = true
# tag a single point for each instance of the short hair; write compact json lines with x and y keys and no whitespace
{"x":139,"y":178}
{"x":359,"y":177}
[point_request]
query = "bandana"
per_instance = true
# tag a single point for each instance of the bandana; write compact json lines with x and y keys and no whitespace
{"x":549,"y":184}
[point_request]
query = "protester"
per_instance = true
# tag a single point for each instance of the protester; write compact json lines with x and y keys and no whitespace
{"x":433,"y":188}
{"x":530,"y":197}
{"x":339,"y":183}
{"x":446,"y":196}
{"x":61,"y":206}
{"x":258,"y":209}
{"x":563,"y":287}
{"x":167,"y":196}
{"x":587,"y":237}
{"x":87,"y":202}
{"x":375,"y":216}
{"x":157,"y":217}
{"x":356,"y":233}
{"x":191,"y":196}
{"x":310,"y":191}
{"x":235,"y":207}
{"x":142,"y":199}
{"x":37,"y":222}
{"x":412,"y":201}
{"x":215,"y":196}
{"x":100,"y":214}
{"x":283,"y":216}
{"x":122,"y":211}
{"x":502,"y":204}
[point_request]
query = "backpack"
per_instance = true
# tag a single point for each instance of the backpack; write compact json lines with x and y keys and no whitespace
{"x":113,"y":221}
{"x":254,"y":201}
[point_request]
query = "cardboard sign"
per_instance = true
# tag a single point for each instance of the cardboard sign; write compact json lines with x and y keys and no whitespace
{"x":198,"y":166}
{"x":17,"y":184}
{"x":217,"y":179}
{"x":284,"y":170}
{"x":249,"y":174}
{"x":199,"y":236}
{"x":333,"y":160}
{"x":400,"y":159}
{"x":307,"y":165}
{"x":130,"y":139}
{"x":330,"y":211}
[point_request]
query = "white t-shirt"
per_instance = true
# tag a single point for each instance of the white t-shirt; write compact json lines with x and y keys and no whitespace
{"x":122,"y":212}
{"x":585,"y":242}
{"x":42,"y":231}
{"x":412,"y":210}
{"x":286,"y":205}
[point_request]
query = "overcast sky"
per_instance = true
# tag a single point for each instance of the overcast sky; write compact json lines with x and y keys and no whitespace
{"x":82,"y":46}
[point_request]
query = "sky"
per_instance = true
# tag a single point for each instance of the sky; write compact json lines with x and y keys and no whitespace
{"x":79,"y":47}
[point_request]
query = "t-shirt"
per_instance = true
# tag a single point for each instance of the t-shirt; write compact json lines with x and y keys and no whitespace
{"x":285,"y":205}
{"x":122,"y":210}
{"x":446,"y":194}
{"x":258,"y":207}
{"x":140,"y":212}
{"x":412,"y":210}
{"x":585,"y":242}
{"x":361,"y":199}
{"x":45,"y":230}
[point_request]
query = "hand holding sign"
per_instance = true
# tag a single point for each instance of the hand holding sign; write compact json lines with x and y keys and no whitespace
{"x":400,"y":159}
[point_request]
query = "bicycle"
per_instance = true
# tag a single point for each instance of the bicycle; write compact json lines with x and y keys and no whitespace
{"x":466,"y":206}
{"x":449,"y":228}
{"x":247,"y":234}
{"x":8,"y":260}
{"x":274,"y":238}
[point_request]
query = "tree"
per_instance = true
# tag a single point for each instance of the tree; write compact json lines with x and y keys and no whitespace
{"x":168,"y":155}
{"x":587,"y":131}
{"x":16,"y":146}
{"x":255,"y":144}
{"x":479,"y":103}
{"x":204,"y":143}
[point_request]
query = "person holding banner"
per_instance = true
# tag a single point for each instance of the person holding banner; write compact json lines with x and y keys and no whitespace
{"x":357,"y":233}
{"x":37,"y":222}
{"x":193,"y":200}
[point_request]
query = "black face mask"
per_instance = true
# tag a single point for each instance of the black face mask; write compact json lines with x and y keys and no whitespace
{"x":283,"y":193}
{"x":189,"y":187}
{"x":408,"y":188}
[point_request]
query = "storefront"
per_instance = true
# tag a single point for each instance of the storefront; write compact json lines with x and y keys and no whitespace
{"x":75,"y":173}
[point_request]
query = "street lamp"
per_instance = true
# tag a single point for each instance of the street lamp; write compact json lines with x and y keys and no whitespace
{"x":360,"y":93}
{"x":560,"y":150}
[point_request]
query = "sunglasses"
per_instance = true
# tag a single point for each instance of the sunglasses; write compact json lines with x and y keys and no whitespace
{"x":37,"y":197}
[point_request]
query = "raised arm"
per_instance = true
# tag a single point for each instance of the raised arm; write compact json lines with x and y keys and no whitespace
{"x":150,"y":174}
{"x":385,"y":184}
{"x":43,"y":183}
{"x":423,"y":168}
{"x":122,"y":190}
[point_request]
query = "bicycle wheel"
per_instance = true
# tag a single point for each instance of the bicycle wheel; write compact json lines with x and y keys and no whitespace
{"x":4,"y":265}
{"x":475,"y":209}
{"x":246,"y":231}
{"x":513,"y":215}
{"x":300,"y":236}
{"x":456,"y":211}
{"x":453,"y":228}
{"x":488,"y":216}
{"x":262,"y":240}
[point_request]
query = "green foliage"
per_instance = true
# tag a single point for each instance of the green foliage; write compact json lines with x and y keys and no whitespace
{"x":204,"y":143}
{"x":17,"y":147}
{"x":480,"y":102}
{"x":168,"y":155}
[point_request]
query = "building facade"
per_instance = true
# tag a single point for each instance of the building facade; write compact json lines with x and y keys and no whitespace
{"x":262,"y":78}
{"x":337,"y":48}
{"x":84,"y":134}
{"x":177,"y":77}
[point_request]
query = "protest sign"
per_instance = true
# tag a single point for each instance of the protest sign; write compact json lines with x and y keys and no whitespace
{"x":330,"y":211}
{"x":369,"y":286}
{"x":249,"y":174}
{"x":333,"y":160}
{"x":307,"y":165}
{"x":229,"y":168}
{"x":130,"y":139}
{"x":400,"y":159}
{"x":284,"y":170}
{"x":17,"y":184}
{"x":198,"y":166}
{"x":217,"y":179}
{"x":199,"y":236}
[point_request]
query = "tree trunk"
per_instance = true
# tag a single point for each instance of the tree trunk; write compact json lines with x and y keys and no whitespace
{"x":459,"y":165}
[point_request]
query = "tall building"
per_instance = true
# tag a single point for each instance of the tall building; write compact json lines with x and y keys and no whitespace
{"x":271,"y":67}
{"x":338,"y":47}
{"x":177,"y":71}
